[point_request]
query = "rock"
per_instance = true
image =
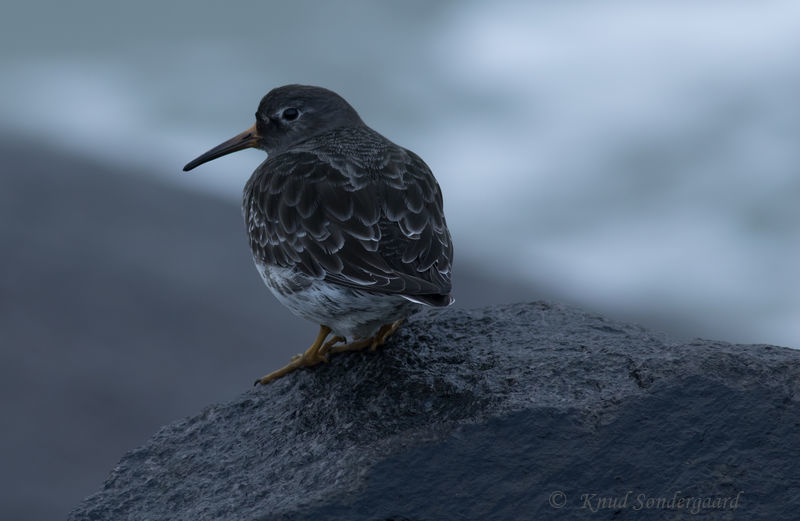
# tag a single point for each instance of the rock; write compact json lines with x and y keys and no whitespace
{"x":527,"y":411}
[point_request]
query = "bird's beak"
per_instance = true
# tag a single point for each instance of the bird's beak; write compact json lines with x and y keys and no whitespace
{"x":247,"y":139}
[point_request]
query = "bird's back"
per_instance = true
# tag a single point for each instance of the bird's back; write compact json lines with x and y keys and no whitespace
{"x":352,"y":208}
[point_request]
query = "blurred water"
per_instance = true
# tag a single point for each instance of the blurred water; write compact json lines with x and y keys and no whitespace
{"x":638,"y":158}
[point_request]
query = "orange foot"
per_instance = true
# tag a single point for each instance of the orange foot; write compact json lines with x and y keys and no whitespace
{"x":312,"y":356}
{"x":321,"y":349}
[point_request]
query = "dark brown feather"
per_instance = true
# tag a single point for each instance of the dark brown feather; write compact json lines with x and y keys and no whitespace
{"x":352,"y":208}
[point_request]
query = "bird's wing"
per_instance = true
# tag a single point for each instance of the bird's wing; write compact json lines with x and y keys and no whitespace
{"x":380,"y":230}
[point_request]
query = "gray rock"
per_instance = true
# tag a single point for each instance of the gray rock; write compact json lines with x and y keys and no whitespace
{"x":528,"y":411}
{"x":118,"y":292}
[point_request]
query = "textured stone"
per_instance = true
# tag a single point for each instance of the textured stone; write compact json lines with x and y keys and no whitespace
{"x":487,"y":414}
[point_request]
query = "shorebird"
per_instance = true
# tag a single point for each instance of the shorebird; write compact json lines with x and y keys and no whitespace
{"x":346,"y":228}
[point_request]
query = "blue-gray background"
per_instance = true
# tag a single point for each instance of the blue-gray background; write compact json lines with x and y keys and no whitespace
{"x":637,"y":159}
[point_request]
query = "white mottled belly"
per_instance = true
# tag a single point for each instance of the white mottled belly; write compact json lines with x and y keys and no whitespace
{"x":350,"y":313}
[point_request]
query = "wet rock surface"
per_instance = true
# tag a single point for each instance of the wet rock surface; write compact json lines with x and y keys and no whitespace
{"x":525,"y":411}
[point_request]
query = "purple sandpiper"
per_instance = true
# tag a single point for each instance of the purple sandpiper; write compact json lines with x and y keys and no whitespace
{"x":347,"y":229}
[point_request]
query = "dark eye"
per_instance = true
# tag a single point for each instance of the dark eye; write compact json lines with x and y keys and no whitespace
{"x":290,"y":114}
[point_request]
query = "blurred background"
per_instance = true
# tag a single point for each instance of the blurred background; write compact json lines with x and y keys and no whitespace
{"x":639,"y":160}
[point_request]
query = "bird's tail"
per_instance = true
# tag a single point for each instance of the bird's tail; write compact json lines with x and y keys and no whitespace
{"x":435,"y":300}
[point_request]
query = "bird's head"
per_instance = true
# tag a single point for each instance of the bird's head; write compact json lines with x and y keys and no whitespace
{"x":286,"y":116}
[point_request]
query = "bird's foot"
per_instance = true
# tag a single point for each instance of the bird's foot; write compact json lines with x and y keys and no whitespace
{"x":313,"y":355}
{"x":321,"y":349}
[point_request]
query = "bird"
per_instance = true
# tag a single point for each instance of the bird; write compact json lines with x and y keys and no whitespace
{"x":346,"y":228}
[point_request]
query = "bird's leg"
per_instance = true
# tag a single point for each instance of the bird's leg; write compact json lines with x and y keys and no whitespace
{"x":316,"y":350}
{"x":355,"y":345}
{"x":312,"y":356}
{"x":372,"y":342}
{"x":326,"y":347}
{"x":383,"y":333}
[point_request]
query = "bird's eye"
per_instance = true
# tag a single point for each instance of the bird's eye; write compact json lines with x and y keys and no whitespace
{"x":290,"y":114}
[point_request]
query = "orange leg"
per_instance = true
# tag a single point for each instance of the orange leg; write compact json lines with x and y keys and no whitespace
{"x":312,"y":356}
{"x":321,"y":349}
